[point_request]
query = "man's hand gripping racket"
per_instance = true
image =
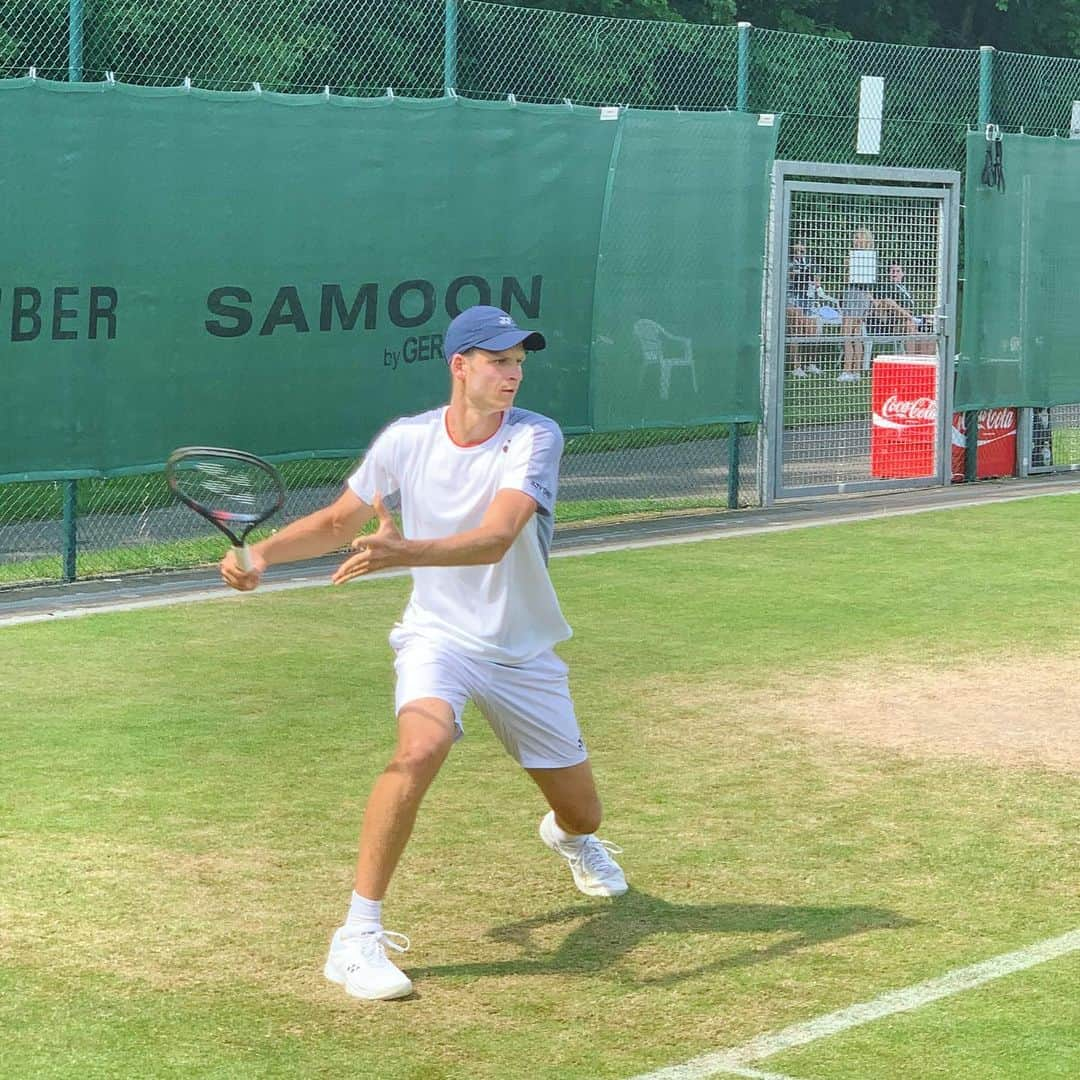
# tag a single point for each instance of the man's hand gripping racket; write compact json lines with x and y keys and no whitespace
{"x":233,"y":490}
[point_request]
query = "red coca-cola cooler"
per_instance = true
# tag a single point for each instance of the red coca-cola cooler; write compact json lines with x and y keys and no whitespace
{"x":904,"y":402}
{"x":997,"y":444}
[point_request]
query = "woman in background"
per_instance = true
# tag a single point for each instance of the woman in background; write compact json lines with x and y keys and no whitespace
{"x":858,"y":298}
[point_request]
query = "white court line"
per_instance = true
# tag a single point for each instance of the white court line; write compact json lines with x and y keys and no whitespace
{"x":754,"y":1074}
{"x":687,"y":537}
{"x":216,"y":592}
{"x":736,"y":1062}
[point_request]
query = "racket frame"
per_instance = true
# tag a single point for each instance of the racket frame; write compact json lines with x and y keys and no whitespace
{"x":220,"y":518}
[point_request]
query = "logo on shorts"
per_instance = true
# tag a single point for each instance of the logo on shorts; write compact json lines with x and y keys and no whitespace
{"x":506,"y":447}
{"x":580,"y":743}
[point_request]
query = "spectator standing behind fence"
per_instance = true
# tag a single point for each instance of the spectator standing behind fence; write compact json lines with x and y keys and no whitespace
{"x":802,"y":285}
{"x":858,"y":299}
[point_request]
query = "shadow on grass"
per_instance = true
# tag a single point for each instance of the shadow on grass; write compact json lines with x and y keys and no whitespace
{"x":612,"y":929}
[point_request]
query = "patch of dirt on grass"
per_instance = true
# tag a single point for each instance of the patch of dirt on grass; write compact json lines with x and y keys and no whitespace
{"x":1018,"y":711}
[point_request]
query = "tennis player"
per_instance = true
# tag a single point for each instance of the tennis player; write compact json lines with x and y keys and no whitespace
{"x":476,"y":482}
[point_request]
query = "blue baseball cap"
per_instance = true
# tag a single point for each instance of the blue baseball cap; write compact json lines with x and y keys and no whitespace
{"x":491,"y":328}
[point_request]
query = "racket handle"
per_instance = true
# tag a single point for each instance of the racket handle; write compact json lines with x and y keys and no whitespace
{"x":243,"y":558}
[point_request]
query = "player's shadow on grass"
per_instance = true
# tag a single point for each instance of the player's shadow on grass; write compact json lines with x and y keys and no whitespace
{"x":606,"y":932}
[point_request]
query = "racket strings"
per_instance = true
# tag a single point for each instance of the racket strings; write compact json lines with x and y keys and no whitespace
{"x":230,"y":491}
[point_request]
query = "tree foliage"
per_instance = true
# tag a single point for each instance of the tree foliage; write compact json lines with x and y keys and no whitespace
{"x":675,"y":54}
{"x":1048,"y":27}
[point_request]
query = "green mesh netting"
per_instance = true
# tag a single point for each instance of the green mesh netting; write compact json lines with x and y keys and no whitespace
{"x":1020,"y":338}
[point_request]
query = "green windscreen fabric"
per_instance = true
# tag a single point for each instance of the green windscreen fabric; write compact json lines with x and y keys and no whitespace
{"x":676,"y":331}
{"x":1020,"y":337}
{"x":275,"y":272}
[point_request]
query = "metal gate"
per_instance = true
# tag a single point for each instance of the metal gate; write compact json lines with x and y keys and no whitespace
{"x":1050,"y":439}
{"x":860,"y":324}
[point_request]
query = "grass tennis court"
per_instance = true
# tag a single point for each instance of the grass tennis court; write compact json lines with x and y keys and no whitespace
{"x":841,"y":761}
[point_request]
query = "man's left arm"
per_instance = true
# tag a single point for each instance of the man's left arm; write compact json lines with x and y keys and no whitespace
{"x":507,"y":515}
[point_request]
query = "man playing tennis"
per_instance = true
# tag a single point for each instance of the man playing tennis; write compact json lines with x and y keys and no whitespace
{"x":476,"y":481}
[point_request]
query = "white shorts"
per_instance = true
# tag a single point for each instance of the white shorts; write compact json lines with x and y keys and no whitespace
{"x":527,"y":705}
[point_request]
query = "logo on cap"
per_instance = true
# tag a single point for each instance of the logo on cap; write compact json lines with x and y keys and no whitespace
{"x":485,"y":327}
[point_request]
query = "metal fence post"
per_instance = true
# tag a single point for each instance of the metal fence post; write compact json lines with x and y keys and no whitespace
{"x":742,"y":84}
{"x":986,"y":73}
{"x":71,"y":493}
{"x":742,"y":99}
{"x":75,"y":40}
{"x":450,"y":45}
{"x":971,"y":419}
{"x":733,"y":467}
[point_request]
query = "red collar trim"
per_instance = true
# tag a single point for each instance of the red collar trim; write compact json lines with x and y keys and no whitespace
{"x":467,"y":445}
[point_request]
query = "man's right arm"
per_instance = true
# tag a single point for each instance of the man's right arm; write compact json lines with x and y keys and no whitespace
{"x":319,"y":533}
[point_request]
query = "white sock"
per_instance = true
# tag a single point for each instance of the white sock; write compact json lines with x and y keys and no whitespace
{"x":364,"y":914}
{"x":568,"y":838}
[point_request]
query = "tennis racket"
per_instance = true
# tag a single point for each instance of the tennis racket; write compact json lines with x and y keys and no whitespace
{"x":233,"y":490}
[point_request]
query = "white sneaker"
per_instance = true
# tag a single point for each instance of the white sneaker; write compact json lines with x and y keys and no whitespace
{"x":595,"y":872}
{"x":813,"y":369}
{"x":799,"y":373}
{"x":358,"y":961}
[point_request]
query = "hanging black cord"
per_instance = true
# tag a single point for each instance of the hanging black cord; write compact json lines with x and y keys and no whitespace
{"x":993,"y":174}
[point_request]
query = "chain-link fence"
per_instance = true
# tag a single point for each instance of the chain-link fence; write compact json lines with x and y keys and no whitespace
{"x":554,"y":56}
{"x":64,"y":529}
{"x":355,"y":46}
{"x":1055,"y":439}
{"x":930,"y":98}
{"x":424,"y":48}
{"x":421,"y":47}
{"x":1034,"y":93}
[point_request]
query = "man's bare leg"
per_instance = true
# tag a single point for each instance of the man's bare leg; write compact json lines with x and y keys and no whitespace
{"x":571,"y":794}
{"x":568,"y":830}
{"x":425,"y":735}
{"x":358,"y":958}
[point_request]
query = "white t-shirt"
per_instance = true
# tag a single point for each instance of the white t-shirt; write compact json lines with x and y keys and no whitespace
{"x":862,"y":266}
{"x":506,"y":611}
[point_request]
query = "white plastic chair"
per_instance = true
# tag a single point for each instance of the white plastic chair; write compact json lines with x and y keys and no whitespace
{"x":664,"y":350}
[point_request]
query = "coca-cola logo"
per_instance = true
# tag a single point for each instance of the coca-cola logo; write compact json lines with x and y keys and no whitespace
{"x":994,"y":424}
{"x":997,"y":420}
{"x":918,"y":410}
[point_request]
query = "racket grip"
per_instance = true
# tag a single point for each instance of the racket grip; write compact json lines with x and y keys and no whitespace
{"x":242,"y":557}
